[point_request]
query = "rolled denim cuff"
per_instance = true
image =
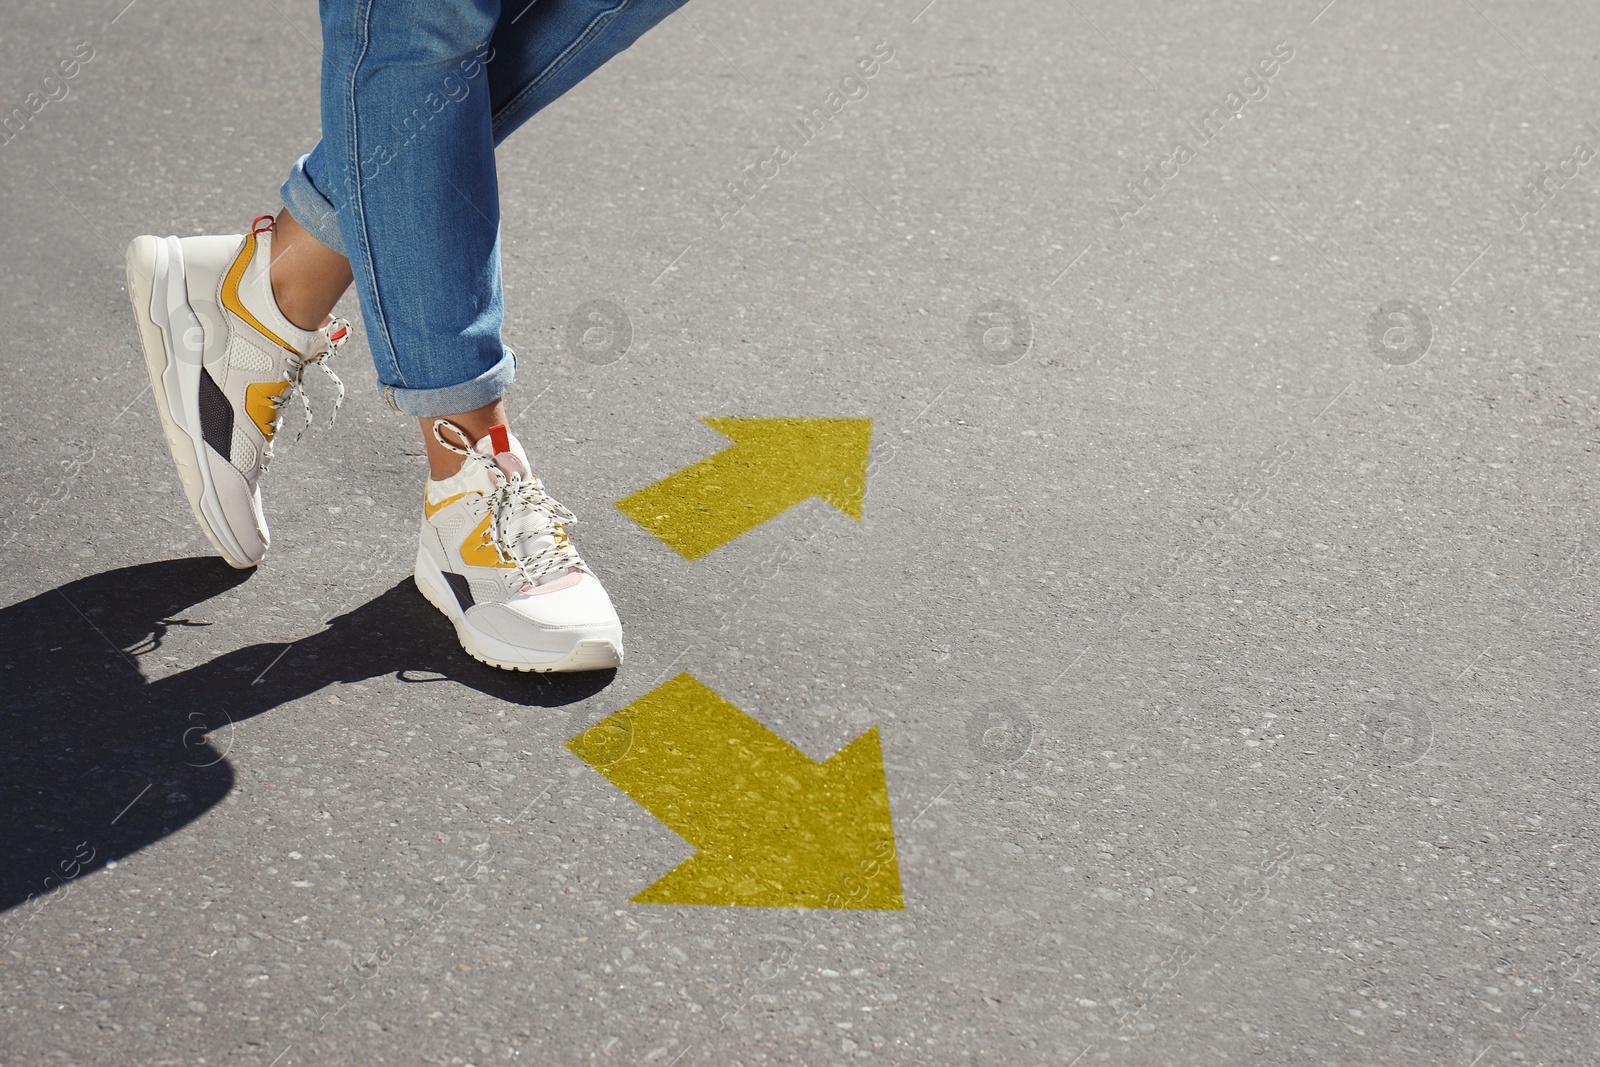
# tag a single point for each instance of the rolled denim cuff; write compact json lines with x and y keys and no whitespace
{"x":310,"y":208}
{"x":486,"y":388}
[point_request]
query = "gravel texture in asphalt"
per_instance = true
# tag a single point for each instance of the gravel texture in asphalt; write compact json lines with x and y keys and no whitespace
{"x":1222,"y":593}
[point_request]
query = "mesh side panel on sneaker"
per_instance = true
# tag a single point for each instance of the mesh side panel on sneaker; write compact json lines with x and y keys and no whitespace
{"x":485,"y":592}
{"x":243,"y":455}
{"x":216,"y":416}
{"x":246,"y":356}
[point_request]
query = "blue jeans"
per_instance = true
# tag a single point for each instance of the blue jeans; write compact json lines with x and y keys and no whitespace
{"x":416,"y":94}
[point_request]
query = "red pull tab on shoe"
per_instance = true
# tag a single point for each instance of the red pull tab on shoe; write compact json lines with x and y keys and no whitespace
{"x":256,"y":227}
{"x":500,"y":438}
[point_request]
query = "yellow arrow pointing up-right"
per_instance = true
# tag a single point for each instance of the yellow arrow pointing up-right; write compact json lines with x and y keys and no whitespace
{"x":773,"y":465}
{"x":773,"y":827}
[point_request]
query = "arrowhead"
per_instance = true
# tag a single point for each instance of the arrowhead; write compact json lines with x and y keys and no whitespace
{"x":830,"y":846}
{"x":773,"y":827}
{"x":806,"y":457}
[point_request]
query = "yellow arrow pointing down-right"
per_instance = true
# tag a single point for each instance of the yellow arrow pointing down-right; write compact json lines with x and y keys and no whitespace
{"x":772,"y":465}
{"x":773,"y":827}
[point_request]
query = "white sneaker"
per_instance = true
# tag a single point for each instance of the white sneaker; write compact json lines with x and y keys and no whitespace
{"x":223,"y":361}
{"x":496,"y":559}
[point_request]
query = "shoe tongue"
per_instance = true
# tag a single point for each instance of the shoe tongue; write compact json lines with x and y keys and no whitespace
{"x":534,"y":533}
{"x":506,"y":451}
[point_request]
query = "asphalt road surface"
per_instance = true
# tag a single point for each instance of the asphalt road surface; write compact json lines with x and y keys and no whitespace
{"x":1219,"y":618}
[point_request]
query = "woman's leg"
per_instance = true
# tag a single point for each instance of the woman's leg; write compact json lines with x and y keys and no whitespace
{"x":403,"y":185}
{"x":406,"y":163}
{"x":307,"y":279}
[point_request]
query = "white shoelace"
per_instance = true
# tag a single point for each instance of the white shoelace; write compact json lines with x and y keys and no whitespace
{"x":521,"y":513}
{"x":335,"y":334}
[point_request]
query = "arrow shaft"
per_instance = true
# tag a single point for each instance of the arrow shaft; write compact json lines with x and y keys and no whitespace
{"x":709,"y":503}
{"x":704,"y":767}
{"x":772,"y":465}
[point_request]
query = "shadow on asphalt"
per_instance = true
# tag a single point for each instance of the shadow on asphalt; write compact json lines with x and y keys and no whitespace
{"x":83,"y":734}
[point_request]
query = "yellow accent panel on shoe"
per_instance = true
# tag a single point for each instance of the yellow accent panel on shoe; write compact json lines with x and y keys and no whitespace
{"x":478,"y":551}
{"x":431,"y":509}
{"x":258,"y":404}
{"x":230,"y":293}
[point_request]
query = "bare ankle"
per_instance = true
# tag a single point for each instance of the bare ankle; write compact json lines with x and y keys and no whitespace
{"x":475,"y":424}
{"x":295,"y":309}
{"x":307,"y":278}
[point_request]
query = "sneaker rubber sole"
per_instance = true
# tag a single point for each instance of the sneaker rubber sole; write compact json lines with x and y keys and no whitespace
{"x":167,"y":324}
{"x":595,"y":654}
